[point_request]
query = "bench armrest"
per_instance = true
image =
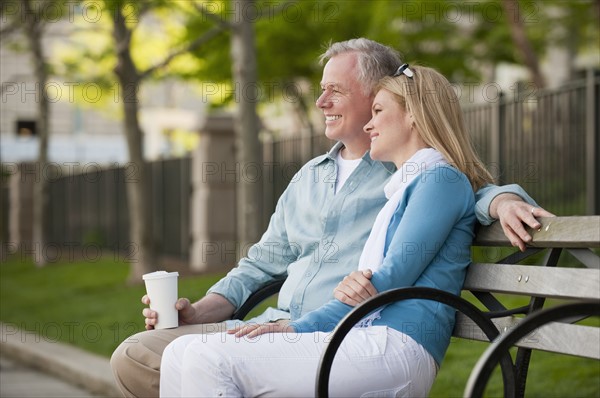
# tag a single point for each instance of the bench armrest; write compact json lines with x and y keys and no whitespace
{"x":489,"y":359}
{"x":256,"y":298}
{"x":360,"y":311}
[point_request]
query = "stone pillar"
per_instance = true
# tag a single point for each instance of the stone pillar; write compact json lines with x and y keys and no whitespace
{"x":20,"y":213}
{"x":213,"y":243}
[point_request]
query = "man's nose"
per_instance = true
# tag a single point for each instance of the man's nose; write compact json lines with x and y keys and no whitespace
{"x":323,"y":100}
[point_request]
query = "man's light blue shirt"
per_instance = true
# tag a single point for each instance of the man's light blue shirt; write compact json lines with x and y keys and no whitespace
{"x":315,"y":236}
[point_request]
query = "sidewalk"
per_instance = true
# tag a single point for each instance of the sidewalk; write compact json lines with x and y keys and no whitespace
{"x":20,"y":381}
{"x":61,"y":366}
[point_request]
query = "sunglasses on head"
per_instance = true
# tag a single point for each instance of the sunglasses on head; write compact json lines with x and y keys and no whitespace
{"x":404,"y":70}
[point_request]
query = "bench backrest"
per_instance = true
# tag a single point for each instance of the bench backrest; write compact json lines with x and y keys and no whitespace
{"x":546,"y":279}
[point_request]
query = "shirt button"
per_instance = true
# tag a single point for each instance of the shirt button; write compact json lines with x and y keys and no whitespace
{"x":308,"y":274}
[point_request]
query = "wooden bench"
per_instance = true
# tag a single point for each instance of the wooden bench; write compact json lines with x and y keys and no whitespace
{"x":491,"y":320}
{"x":578,"y":286}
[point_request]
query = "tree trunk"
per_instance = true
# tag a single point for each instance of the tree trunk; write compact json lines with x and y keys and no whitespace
{"x":249,"y":188}
{"x":519,"y":36}
{"x":141,"y":249}
{"x":34,"y":27}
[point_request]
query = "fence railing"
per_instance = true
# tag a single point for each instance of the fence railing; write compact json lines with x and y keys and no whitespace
{"x":92,"y":208}
{"x":548,"y":143}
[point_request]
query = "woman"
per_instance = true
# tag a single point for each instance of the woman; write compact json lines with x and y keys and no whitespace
{"x":421,"y":237}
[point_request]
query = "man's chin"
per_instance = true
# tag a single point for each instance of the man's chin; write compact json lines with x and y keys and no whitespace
{"x":332,"y":134}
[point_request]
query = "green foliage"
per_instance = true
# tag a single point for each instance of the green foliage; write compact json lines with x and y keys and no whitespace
{"x":459,"y":38}
{"x":158,"y":28}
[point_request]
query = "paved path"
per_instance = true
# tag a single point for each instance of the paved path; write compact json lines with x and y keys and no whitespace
{"x":20,"y":381}
{"x":74,"y":372}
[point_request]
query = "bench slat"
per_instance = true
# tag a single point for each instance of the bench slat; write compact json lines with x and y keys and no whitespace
{"x":563,"y":338}
{"x":552,"y":282}
{"x":565,"y":232}
{"x":467,"y":329}
{"x":586,"y":257}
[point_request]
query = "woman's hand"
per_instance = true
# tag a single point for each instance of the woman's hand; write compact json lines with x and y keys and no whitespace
{"x":256,"y":329}
{"x":355,"y":288}
{"x":514,"y":215}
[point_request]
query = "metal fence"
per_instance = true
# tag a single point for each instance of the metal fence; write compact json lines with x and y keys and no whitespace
{"x":547,"y":143}
{"x":91,"y":208}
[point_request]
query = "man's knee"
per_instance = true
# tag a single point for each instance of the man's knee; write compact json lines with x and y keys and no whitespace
{"x":119,"y":366}
{"x":136,"y":363}
{"x":118,"y":358}
{"x":128,"y":350}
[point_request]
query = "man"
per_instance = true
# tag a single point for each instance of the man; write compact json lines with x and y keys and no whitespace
{"x":320,"y":225}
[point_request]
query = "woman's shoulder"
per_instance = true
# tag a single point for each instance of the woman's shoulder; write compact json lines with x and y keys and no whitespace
{"x":443,"y":182}
{"x":446,"y":186}
{"x":443,"y":174}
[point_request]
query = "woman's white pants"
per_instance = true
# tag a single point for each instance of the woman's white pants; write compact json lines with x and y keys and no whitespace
{"x":371,"y":362}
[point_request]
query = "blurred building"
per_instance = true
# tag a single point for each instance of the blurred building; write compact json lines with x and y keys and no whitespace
{"x":170,"y":113}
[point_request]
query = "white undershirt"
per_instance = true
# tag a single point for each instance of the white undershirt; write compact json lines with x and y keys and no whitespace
{"x":345,"y":168}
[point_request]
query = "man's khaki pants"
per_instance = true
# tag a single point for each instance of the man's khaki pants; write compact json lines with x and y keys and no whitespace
{"x":136,"y":362}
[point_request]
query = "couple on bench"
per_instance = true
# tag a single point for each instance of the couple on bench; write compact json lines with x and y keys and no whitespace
{"x":401,"y":212}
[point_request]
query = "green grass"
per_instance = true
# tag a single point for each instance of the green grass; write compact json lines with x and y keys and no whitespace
{"x":89,"y":305}
{"x":550,"y":375}
{"x":85,"y":304}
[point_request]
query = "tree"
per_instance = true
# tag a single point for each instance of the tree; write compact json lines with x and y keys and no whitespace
{"x":243,"y":55}
{"x":519,"y":37}
{"x":140,"y":208}
{"x":31,"y":18}
{"x":130,"y":78}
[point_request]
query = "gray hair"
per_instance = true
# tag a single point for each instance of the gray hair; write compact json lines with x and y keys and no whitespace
{"x":374,"y":60}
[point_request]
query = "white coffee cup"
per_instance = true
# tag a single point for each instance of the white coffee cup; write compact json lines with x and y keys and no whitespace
{"x":161,"y":287}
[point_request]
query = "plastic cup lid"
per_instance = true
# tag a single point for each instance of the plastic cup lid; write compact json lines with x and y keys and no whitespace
{"x":159,"y":275}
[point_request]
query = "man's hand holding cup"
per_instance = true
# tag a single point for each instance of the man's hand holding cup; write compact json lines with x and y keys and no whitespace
{"x":161,"y":289}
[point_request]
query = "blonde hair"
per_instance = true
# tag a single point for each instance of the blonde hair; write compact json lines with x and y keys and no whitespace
{"x":438,"y":119}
